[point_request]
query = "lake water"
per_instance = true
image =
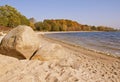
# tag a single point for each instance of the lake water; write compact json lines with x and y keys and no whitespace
{"x":105,"y":42}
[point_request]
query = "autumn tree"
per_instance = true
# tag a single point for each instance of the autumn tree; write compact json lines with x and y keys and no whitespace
{"x":67,"y":25}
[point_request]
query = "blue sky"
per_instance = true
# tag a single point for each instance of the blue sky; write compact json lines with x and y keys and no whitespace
{"x":91,"y":12}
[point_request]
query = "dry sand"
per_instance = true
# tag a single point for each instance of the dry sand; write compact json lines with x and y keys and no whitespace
{"x":77,"y":65}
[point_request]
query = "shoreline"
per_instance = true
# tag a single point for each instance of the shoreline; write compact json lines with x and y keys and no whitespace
{"x":79,"y":48}
{"x":52,"y":32}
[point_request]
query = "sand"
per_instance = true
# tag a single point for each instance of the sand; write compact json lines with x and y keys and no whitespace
{"x":77,"y":65}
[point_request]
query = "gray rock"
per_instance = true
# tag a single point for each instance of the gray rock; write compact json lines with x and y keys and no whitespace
{"x":21,"y":42}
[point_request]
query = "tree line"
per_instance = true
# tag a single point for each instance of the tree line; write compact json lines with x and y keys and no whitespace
{"x":10,"y":17}
{"x":67,"y":25}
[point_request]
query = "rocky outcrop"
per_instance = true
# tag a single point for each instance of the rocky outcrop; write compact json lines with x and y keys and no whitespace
{"x":21,"y":42}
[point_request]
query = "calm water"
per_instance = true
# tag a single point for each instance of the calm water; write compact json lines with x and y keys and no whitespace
{"x":107,"y":42}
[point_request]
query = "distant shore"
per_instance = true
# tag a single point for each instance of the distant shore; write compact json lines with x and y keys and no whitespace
{"x":39,"y":32}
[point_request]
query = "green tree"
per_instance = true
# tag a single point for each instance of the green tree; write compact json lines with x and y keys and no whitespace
{"x":32,"y":22}
{"x":10,"y":17}
{"x":93,"y":28}
{"x":39,"y":26}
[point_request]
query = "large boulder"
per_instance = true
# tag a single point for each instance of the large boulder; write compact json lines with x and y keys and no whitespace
{"x":50,"y":51}
{"x":21,"y":42}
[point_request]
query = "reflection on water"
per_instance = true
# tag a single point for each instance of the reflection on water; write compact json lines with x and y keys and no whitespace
{"x":108,"y":42}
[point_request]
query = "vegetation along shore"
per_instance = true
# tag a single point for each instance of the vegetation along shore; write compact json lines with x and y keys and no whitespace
{"x":10,"y":17}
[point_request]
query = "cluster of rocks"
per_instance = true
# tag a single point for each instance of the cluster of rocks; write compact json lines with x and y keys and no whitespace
{"x":23,"y":43}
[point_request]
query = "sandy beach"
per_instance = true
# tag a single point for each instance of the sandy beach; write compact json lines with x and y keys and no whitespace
{"x":60,"y":41}
{"x":62,"y":63}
